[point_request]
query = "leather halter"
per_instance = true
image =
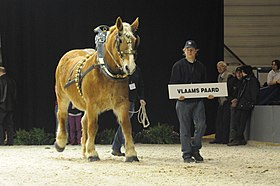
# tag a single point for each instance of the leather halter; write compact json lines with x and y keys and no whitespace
{"x":100,"y":40}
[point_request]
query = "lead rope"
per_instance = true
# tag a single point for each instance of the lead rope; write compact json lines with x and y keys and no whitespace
{"x":142,"y":116}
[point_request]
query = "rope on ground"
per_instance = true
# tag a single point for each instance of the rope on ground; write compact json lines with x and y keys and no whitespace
{"x":142,"y":116}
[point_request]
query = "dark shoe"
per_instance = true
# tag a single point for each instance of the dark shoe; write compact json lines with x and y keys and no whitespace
{"x":224,"y":142}
{"x":215,"y":142}
{"x":242,"y":142}
{"x":189,"y":160}
{"x":74,"y":143}
{"x":116,"y":153}
{"x":234,"y":143}
{"x":197,"y":157}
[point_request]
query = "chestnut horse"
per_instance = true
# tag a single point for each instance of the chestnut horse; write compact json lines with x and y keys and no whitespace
{"x":97,"y":81}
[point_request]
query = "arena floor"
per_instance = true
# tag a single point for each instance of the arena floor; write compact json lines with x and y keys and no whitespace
{"x":253,"y":164}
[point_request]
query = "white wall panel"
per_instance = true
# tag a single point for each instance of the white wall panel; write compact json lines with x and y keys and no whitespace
{"x":252,"y":31}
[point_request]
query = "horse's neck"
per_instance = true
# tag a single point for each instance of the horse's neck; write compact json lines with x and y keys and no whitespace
{"x":111,"y":57}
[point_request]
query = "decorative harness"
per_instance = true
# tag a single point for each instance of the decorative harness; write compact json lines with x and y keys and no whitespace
{"x":100,"y":40}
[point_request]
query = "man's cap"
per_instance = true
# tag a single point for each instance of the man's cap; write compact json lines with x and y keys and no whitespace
{"x":247,"y":69}
{"x":238,"y":69}
{"x":190,"y":44}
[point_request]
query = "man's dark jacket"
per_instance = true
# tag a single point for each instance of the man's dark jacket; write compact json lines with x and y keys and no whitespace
{"x":248,"y":92}
{"x":7,"y":93}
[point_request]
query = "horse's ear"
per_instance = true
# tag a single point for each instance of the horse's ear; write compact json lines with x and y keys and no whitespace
{"x":119,"y":24}
{"x":135,"y":24}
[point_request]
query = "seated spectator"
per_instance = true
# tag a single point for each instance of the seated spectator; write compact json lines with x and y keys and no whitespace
{"x":243,"y":105}
{"x":223,"y":112}
{"x":271,"y":93}
{"x":234,"y":85}
{"x":273,"y":77}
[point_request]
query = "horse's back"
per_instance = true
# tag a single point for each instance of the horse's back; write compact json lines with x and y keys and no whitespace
{"x":66,"y":70}
{"x":75,"y":55}
{"x":70,"y":59}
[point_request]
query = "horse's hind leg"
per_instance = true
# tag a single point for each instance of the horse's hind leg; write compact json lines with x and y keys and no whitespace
{"x":84,"y":134}
{"x":61,"y":135}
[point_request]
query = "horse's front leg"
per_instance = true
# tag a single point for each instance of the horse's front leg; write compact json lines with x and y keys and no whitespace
{"x":84,"y":134}
{"x":61,"y":135}
{"x":130,"y":152}
{"x":92,"y":127}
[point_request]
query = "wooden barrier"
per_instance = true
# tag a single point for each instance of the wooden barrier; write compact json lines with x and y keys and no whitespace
{"x":265,"y":124}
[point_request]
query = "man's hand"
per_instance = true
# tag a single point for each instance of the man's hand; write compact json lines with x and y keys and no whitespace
{"x":210,"y":97}
{"x":181,"y":98}
{"x":234,"y":102}
{"x":142,"y":102}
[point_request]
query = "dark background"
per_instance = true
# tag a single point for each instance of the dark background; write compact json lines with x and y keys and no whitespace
{"x":35,"y":34}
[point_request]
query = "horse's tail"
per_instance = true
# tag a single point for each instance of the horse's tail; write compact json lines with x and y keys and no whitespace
{"x":61,"y":96}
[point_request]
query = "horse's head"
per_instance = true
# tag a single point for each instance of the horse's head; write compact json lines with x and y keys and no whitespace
{"x":121,"y":45}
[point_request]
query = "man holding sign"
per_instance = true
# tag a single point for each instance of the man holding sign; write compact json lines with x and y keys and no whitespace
{"x":190,"y":111}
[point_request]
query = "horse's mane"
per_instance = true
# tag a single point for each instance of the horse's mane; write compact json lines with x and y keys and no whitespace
{"x":112,"y":28}
{"x":126,"y":27}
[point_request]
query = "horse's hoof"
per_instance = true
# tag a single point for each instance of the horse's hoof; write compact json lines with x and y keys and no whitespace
{"x":93,"y":158}
{"x":131,"y":159}
{"x":58,"y":148}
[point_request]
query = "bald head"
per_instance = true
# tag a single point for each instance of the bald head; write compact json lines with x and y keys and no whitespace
{"x":2,"y":70}
{"x":221,"y":67}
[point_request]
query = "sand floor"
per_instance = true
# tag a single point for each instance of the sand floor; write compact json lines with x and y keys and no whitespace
{"x":253,"y":164}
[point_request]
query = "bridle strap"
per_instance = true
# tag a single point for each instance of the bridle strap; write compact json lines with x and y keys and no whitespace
{"x":111,"y":55}
{"x":100,"y":40}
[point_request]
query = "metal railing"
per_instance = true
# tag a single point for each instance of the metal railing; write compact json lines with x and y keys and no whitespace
{"x":257,"y":69}
{"x":233,"y":54}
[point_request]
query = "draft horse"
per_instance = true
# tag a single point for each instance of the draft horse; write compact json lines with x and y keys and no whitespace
{"x":96,"y":81}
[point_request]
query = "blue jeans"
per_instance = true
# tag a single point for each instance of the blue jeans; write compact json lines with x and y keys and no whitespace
{"x":188,"y":113}
{"x":119,"y":138}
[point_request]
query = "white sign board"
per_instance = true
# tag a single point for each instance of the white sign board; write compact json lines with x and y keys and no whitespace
{"x":197,"y":90}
